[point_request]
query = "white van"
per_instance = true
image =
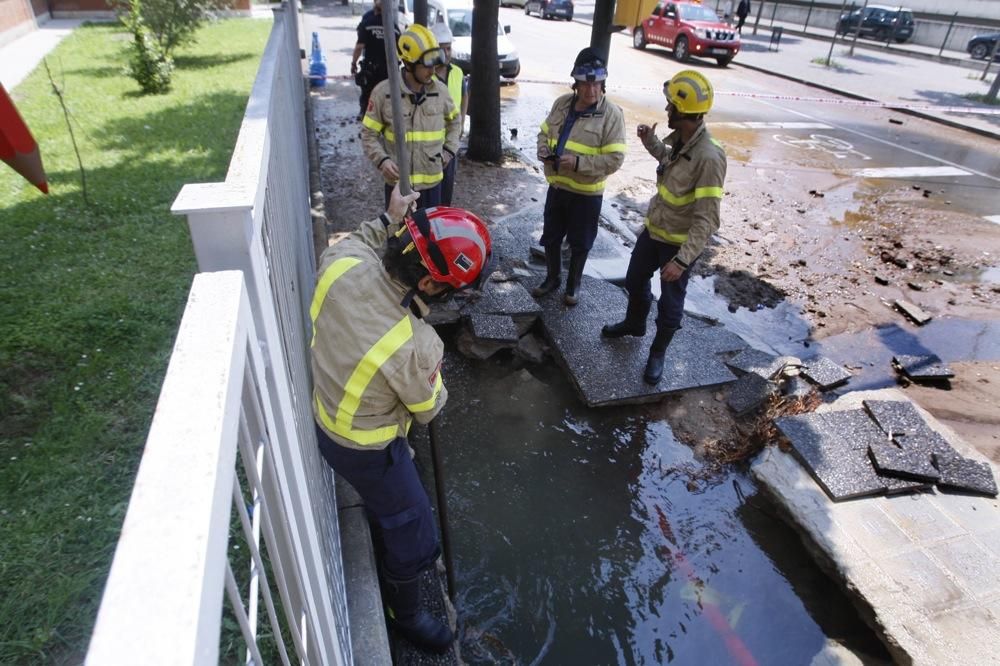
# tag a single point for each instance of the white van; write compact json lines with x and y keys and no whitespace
{"x":459,"y":16}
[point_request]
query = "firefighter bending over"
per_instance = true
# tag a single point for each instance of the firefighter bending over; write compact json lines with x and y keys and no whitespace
{"x":377,"y":366}
{"x":682,"y":215}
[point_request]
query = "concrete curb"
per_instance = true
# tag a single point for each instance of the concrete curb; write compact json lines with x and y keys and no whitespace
{"x":846,"y":93}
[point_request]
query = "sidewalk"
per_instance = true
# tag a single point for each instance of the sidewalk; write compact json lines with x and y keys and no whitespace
{"x":21,"y":56}
{"x":878,"y":76}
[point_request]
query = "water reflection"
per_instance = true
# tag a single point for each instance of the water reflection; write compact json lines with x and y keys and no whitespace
{"x":592,"y":537}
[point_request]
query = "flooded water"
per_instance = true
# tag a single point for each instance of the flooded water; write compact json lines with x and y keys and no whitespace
{"x":593,"y":537}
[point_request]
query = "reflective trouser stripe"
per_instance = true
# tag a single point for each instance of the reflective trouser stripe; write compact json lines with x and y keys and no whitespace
{"x":330,"y":275}
{"x":666,"y":236}
{"x":426,"y":178}
{"x":684,"y":199}
{"x":428,"y":404}
{"x":586,"y":188}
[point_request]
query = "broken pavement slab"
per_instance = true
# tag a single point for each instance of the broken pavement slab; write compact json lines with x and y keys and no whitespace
{"x":749,"y":392}
{"x":759,"y":362}
{"x":825,"y":373}
{"x":960,"y":473}
{"x":913,"y":312}
{"x":609,"y":371}
{"x":891,"y":460}
{"x":925,"y":367}
{"x":496,"y":328}
{"x":925,"y":568}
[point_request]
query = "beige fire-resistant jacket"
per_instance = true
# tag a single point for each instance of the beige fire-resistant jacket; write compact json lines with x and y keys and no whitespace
{"x":433,"y":125}
{"x":376,"y":364}
{"x":686,"y":208}
{"x":597,"y":139}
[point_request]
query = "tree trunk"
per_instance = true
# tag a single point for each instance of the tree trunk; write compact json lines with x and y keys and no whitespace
{"x":484,"y":85}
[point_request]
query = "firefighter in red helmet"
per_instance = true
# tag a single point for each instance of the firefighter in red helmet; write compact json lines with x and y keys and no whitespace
{"x":377,"y":367}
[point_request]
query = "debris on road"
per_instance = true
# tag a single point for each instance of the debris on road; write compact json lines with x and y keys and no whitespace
{"x":825,"y":373}
{"x":913,"y":312}
{"x":926,"y":368}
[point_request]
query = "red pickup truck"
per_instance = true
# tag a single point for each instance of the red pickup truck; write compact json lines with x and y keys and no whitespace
{"x":690,"y":29}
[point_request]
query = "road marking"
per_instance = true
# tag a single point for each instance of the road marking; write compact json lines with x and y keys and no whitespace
{"x":827,"y":144}
{"x":911,"y":172}
{"x":773,"y":125}
{"x":995,"y":219}
{"x":877,"y":139}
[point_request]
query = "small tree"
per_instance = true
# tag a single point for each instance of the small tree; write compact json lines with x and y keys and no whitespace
{"x":149,"y":65}
{"x":170,"y":23}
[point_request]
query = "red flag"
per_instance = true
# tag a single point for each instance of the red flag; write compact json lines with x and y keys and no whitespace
{"x":17,"y":146}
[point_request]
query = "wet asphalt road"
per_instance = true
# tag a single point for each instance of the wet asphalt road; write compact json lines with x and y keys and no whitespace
{"x":754,"y":118}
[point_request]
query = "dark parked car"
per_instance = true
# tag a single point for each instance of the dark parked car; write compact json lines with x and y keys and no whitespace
{"x":550,"y":8}
{"x":878,"y":22}
{"x":981,"y":46}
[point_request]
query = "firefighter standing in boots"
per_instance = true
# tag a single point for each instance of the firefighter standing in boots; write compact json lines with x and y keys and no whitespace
{"x":432,"y":123}
{"x":457,"y":82}
{"x":682,"y":215}
{"x":370,"y":45}
{"x":377,"y":366}
{"x":581,"y":142}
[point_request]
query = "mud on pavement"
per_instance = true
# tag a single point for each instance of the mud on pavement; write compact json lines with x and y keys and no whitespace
{"x":839,"y":250}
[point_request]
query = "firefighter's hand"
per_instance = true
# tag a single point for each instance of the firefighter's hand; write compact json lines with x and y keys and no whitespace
{"x":446,"y":158}
{"x":642,"y":131}
{"x":567,"y":163}
{"x":671,"y":271}
{"x":399,"y":204}
{"x":390,"y":171}
{"x":354,"y":68}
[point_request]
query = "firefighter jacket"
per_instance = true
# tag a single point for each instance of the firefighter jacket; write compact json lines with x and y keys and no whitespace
{"x":432,"y":126}
{"x":685,"y":210}
{"x":597,"y":139}
{"x":376,"y":364}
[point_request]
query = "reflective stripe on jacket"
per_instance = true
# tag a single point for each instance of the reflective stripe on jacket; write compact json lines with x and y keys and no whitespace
{"x":375,"y":364}
{"x":597,"y":139}
{"x":686,"y":208}
{"x":431,"y":126}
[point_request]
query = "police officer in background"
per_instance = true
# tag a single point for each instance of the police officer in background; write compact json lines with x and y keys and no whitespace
{"x":371,"y":44}
{"x":581,"y":143}
{"x":682,"y":215}
{"x":376,"y":367}
{"x":431,"y":120}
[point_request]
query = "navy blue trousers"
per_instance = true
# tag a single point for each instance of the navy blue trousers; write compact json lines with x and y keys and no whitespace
{"x":396,"y":502}
{"x":648,"y":256}
{"x":428,"y":198}
{"x":572,"y":216}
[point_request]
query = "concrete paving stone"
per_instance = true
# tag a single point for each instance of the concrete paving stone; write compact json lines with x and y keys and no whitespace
{"x":967,"y":511}
{"x":825,"y":373}
{"x":796,"y":387}
{"x":965,"y":634}
{"x":922,"y":522}
{"x":916,"y":314}
{"x":890,"y":460}
{"x":990,"y":539}
{"x":896,"y":417}
{"x":959,"y":473}
{"x":504,"y":298}
{"x":497,"y":328}
{"x":874,"y":529}
{"x":975,"y":568}
{"x":926,"y":366}
{"x":749,"y":392}
{"x":608,"y":372}
{"x":758,"y":362}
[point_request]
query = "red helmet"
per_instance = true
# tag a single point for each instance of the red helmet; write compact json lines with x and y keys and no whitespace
{"x":454,"y":244}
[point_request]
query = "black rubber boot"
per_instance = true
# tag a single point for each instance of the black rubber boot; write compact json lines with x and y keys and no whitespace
{"x":413,"y":624}
{"x":553,"y":264}
{"x":574,"y":278}
{"x":633,"y":324}
{"x":657,"y":354}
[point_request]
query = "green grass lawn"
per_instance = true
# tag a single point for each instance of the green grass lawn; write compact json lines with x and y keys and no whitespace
{"x":90,"y":299}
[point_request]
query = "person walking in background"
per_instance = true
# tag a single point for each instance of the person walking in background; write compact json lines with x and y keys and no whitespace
{"x":742,"y":10}
{"x":376,"y":367}
{"x":431,"y":123}
{"x":371,"y":45}
{"x":682,"y":215}
{"x":458,"y":87}
{"x":581,"y":143}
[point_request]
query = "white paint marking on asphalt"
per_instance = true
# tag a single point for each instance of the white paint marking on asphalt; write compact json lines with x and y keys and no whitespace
{"x":995,"y":219}
{"x":773,"y":125}
{"x":911,"y":172}
{"x":883,"y":141}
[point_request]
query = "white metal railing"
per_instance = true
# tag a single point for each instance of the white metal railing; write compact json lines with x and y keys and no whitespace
{"x":257,"y":222}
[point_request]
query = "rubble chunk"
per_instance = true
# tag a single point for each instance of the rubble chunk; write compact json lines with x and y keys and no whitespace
{"x":913,"y":312}
{"x":962,"y":473}
{"x":922,"y":367}
{"x":825,"y":373}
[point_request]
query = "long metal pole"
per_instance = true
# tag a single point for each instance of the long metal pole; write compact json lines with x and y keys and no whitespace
{"x":858,"y":33}
{"x":442,"y":504}
{"x":986,"y":70}
{"x":395,"y":95}
{"x":829,"y":56}
{"x":760,"y":8}
{"x":805,"y":28}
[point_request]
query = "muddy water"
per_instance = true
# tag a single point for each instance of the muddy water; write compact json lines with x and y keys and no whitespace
{"x":594,"y":537}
